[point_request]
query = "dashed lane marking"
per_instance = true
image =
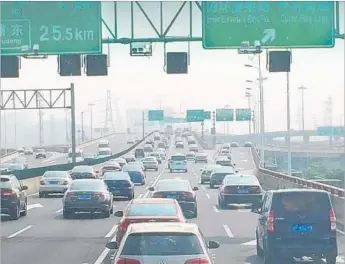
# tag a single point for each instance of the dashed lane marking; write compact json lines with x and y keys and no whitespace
{"x":228,"y":231}
{"x":58,"y":211}
{"x":33,"y":194}
{"x":140,"y":196}
{"x":33,"y":206}
{"x":208,"y":196}
{"x":20,"y":231}
{"x":111,"y":231}
{"x":215,"y":209}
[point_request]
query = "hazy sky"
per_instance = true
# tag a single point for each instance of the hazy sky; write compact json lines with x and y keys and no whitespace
{"x":215,"y":78}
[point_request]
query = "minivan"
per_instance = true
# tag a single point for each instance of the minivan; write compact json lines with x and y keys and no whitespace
{"x":139,"y":153}
{"x":295,"y":223}
{"x":178,"y":162}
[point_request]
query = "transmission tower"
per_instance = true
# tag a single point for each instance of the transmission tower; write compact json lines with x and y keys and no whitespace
{"x":40,"y":121}
{"x":109,"y":114}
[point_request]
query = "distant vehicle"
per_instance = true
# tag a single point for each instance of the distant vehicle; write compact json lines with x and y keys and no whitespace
{"x":234,"y":145}
{"x":206,"y":172}
{"x":21,"y":150}
{"x":79,"y":155}
{"x":190,"y":155}
{"x":148,"y":149}
{"x":103,"y":144}
{"x":162,"y":145}
{"x":193,"y":147}
{"x":293,"y":217}
{"x":201,"y":157}
{"x":191,"y":140}
{"x":178,"y":189}
{"x":150,"y":163}
{"x":54,"y":182}
{"x":150,"y":142}
{"x":149,"y":210}
{"x":83,"y":172}
{"x":218,"y":174}
{"x":248,"y":144}
{"x":179,"y":144}
{"x":87,"y":196}
{"x":104,"y":153}
{"x":226,"y":146}
{"x":28,"y":151}
{"x":119,"y":184}
{"x":89,"y":157}
{"x":120,"y":161}
{"x":157,"y":156}
{"x":130,"y":141}
{"x":224,"y":161}
{"x":111,"y":166}
{"x":169,"y":130}
{"x":41,"y":153}
{"x":178,"y":162}
{"x":240,"y":189}
{"x":136,"y":173}
{"x":14,"y":199}
{"x":139,"y":153}
{"x":130,"y":158}
{"x":16,"y":167}
{"x":165,"y":237}
{"x":157,"y":137}
{"x":225,"y":152}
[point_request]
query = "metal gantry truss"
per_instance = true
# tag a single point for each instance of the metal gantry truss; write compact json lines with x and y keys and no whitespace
{"x":35,"y":99}
{"x":162,"y":32}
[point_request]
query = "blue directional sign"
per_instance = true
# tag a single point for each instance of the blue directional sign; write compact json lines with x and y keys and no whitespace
{"x":207,"y":115}
{"x":195,"y":115}
{"x":244,"y":114}
{"x":156,"y":115}
{"x":225,"y":114}
{"x":330,"y":131}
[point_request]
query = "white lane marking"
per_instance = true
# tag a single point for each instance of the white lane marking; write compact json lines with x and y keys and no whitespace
{"x":203,"y":187}
{"x":228,"y":231}
{"x":339,"y":259}
{"x":215,"y":209}
{"x":32,"y":206}
{"x":111,"y":231}
{"x":340,"y":231}
{"x":58,"y":211}
{"x":33,"y":194}
{"x":104,"y":254}
{"x":140,"y":196}
{"x":208,"y":196}
{"x":249,"y":243}
{"x":244,"y":160}
{"x":20,"y":231}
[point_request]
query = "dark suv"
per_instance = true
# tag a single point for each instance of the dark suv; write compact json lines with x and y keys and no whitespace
{"x":14,"y":199}
{"x":296,"y":223}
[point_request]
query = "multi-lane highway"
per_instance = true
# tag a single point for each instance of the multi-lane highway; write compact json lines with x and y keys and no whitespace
{"x":45,"y":237}
{"x":117,"y":143}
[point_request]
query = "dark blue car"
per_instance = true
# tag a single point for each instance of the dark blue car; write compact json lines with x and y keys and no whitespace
{"x":136,"y":172}
{"x":119,"y":184}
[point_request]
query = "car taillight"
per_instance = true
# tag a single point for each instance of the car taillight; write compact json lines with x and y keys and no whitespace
{"x":157,"y":195}
{"x":42,"y":182}
{"x":197,"y":261}
{"x":187,"y":195}
{"x":333,"y":220}
{"x":92,"y":175}
{"x":255,"y":189}
{"x":101,"y":196}
{"x":270,"y":221}
{"x":124,"y":224}
{"x":8,"y":193}
{"x":127,"y":261}
{"x":70,"y":196}
{"x":65,"y":183}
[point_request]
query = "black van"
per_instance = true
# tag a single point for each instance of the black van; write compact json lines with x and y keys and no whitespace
{"x":139,"y":153}
{"x":296,"y":223}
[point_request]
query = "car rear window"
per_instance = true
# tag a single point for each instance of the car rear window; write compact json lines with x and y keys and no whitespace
{"x":178,"y":158}
{"x":118,"y":183}
{"x":173,"y":186}
{"x":5,"y":183}
{"x":149,"y":209}
{"x":162,"y":244}
{"x":55,"y":174}
{"x":93,"y":185}
{"x":301,"y":201}
{"x":242,"y":180}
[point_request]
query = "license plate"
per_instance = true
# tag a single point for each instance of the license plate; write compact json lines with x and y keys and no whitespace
{"x":54,"y":182}
{"x":244,"y":191}
{"x":302,"y":228}
{"x":84,"y":197}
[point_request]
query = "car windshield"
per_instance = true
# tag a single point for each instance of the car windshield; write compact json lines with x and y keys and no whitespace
{"x":152,"y":209}
{"x":89,"y":185}
{"x":242,"y":180}
{"x":135,"y":167}
{"x":162,"y":244}
{"x":55,"y":174}
{"x":173,"y":186}
{"x":178,"y":158}
{"x":83,"y":169}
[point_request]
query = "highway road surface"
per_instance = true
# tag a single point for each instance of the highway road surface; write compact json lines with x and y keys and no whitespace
{"x":118,"y":143}
{"x":45,"y":237}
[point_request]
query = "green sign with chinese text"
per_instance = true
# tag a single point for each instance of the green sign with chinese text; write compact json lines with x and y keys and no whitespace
{"x":156,"y":115}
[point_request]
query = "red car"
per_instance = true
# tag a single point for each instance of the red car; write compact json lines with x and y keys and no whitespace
{"x":150,"y":210}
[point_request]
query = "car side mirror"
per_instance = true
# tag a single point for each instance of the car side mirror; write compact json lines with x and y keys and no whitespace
{"x":151,"y":189}
{"x":112,"y":245}
{"x":118,"y":213}
{"x":256,"y":208}
{"x":188,"y":214}
{"x":213,"y":244}
{"x":195,"y":189}
{"x":24,"y":188}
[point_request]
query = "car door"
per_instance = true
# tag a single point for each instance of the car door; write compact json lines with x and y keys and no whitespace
{"x":262,"y":219}
{"x":21,"y":194}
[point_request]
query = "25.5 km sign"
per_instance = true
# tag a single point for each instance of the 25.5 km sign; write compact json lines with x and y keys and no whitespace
{"x":50,"y":27}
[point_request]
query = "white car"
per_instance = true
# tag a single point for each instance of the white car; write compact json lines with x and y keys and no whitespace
{"x":148,"y":243}
{"x":54,"y":182}
{"x":150,"y":163}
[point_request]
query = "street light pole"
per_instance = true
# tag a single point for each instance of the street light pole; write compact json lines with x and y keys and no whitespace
{"x":91,"y":121}
{"x":302,"y":89}
{"x":248,"y":95}
{"x":82,"y":126}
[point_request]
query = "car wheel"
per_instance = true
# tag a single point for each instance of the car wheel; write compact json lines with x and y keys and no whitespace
{"x":15,"y":213}
{"x":211,"y":186}
{"x":186,"y":171}
{"x":221,"y":204}
{"x":25,"y":209}
{"x":106,"y":214}
{"x":157,"y":169}
{"x":171,"y":171}
{"x":202,"y":182}
{"x":196,"y":212}
{"x":143,"y":183}
{"x":259,"y":252}
{"x":331,"y":259}
{"x":112,"y":210}
{"x":269,"y":256}
{"x":66,"y":214}
{"x":41,"y":194}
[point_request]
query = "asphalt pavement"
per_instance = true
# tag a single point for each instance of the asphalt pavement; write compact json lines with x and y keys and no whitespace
{"x":118,"y":143}
{"x":43,"y":236}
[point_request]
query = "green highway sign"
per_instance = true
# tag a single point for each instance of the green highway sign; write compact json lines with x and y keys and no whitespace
{"x":207,"y":115}
{"x":225,"y":114}
{"x":50,"y":27}
{"x":281,"y":24}
{"x":244,"y":114}
{"x":156,"y":115}
{"x":196,"y":115}
{"x":330,"y":131}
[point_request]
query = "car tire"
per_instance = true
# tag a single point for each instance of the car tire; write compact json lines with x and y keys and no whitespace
{"x":202,"y":182}
{"x":171,"y":171}
{"x":221,"y":204}
{"x":25,"y":209}
{"x":106,"y":214}
{"x":186,"y":171}
{"x":259,"y":251}
{"x":269,"y":256}
{"x":41,"y":195}
{"x":196,"y":212}
{"x":157,"y":169}
{"x":331,"y":259}
{"x":15,"y":213}
{"x":112,"y":210}
{"x":211,"y":186}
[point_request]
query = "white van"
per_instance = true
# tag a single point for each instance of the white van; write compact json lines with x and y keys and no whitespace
{"x":103,"y":144}
{"x":104,"y":152}
{"x":79,"y":157}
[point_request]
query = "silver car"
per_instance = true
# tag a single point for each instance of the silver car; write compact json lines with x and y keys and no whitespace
{"x":54,"y":182}
{"x":150,"y":163}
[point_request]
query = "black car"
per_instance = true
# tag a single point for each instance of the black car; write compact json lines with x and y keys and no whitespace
{"x":179,"y":189}
{"x":14,"y":199}
{"x":239,"y":189}
{"x":218,"y":174}
{"x":296,"y":223}
{"x":83,"y":172}
{"x":248,"y":144}
{"x":88,"y":195}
